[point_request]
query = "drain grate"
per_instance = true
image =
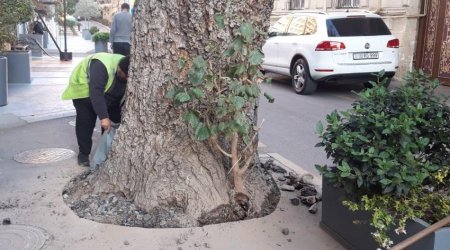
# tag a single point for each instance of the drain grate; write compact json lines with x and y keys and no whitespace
{"x":44,"y":155}
{"x":22,"y":237}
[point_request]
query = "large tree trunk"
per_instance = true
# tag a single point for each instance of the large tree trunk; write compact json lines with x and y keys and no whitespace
{"x":155,"y":161}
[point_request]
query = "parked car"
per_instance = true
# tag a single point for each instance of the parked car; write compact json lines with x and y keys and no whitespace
{"x":324,"y":47}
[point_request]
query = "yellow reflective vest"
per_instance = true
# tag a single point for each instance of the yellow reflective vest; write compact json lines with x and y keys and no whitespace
{"x":79,"y":81}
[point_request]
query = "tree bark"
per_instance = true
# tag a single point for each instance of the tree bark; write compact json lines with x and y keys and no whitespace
{"x":155,"y":161}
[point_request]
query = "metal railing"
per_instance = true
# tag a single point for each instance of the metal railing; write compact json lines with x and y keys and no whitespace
{"x":345,"y":4}
{"x":418,"y":236}
{"x":296,"y":4}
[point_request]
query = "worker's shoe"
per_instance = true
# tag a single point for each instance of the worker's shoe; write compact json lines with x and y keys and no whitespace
{"x":83,"y":160}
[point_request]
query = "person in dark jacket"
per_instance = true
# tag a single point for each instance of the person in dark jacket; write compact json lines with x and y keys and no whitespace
{"x":96,"y":86}
{"x":38,"y":28}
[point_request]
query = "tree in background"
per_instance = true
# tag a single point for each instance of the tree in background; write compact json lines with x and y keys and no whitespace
{"x":13,"y":12}
{"x":188,"y":140}
{"x":87,"y":9}
{"x":70,"y":7}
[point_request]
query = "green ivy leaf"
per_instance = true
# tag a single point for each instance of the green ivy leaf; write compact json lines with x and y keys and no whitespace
{"x":191,"y":118}
{"x":196,"y":76}
{"x":247,"y":31}
{"x":239,"y":70}
{"x":220,"y":21}
{"x":199,"y":62}
{"x":182,"y":97}
{"x":237,"y":46}
{"x":171,"y":93}
{"x":238,"y":102}
{"x":202,"y":132}
{"x":197,"y":93}
{"x":222,"y":126}
{"x":246,"y":139}
{"x":229,"y":52}
{"x":252,"y":90}
{"x":255,"y":57}
{"x":243,"y":129}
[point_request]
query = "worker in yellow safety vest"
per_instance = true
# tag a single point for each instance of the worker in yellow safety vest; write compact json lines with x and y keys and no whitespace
{"x":96,"y":87}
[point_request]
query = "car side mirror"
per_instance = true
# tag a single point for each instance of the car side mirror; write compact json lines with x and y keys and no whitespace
{"x":273,"y":33}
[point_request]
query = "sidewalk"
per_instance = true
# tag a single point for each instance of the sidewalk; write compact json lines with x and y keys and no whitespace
{"x":36,"y":118}
{"x":41,"y":100}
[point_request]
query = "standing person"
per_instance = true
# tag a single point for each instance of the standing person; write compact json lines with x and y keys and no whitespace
{"x":38,"y":27}
{"x":96,"y":87}
{"x":120,"y":34}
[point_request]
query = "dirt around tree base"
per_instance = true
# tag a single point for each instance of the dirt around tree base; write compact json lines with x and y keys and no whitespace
{"x":116,"y":209}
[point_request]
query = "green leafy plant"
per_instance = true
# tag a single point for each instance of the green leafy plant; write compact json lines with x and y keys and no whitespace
{"x":219,"y":100}
{"x":71,"y":22}
{"x":93,"y":30}
{"x":13,"y":12}
{"x":101,"y":37}
{"x":389,"y":151}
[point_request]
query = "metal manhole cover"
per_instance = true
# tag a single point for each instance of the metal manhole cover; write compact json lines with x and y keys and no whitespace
{"x":22,"y":237}
{"x":44,"y":155}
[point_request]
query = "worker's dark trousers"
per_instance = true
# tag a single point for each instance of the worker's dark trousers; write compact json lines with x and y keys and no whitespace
{"x":85,"y":122}
{"x":121,"y":48}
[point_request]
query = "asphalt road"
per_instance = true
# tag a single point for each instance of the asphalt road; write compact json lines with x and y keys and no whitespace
{"x":289,"y":122}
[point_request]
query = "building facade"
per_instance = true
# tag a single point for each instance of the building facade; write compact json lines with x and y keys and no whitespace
{"x":401,"y":16}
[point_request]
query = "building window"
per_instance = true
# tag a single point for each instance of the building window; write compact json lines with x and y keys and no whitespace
{"x":296,"y":4}
{"x":346,"y":4}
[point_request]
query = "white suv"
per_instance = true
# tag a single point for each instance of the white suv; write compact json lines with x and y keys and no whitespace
{"x":319,"y":47}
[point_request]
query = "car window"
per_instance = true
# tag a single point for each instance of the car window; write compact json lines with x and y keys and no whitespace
{"x":311,"y":26}
{"x":303,"y":26}
{"x":280,"y":26}
{"x":297,"y":26}
{"x":357,"y":26}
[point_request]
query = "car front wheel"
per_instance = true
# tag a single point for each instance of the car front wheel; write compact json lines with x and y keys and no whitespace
{"x":302,"y":82}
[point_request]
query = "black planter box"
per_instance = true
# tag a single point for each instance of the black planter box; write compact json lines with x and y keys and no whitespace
{"x":337,"y":220}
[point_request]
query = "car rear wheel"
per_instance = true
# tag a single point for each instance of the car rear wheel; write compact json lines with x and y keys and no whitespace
{"x":302,"y":82}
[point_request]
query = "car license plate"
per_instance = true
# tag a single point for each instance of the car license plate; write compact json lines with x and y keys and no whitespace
{"x":365,"y":55}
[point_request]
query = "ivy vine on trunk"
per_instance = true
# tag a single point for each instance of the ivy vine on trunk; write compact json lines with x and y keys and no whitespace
{"x":219,"y":99}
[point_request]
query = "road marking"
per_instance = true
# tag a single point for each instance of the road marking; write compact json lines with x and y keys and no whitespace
{"x":295,"y":168}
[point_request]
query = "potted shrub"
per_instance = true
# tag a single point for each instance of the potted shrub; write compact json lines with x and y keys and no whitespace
{"x":391,"y":173}
{"x":13,"y":12}
{"x":93,"y":30}
{"x":101,"y":41}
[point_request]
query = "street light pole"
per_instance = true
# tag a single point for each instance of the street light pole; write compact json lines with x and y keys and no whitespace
{"x":65,"y":56}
